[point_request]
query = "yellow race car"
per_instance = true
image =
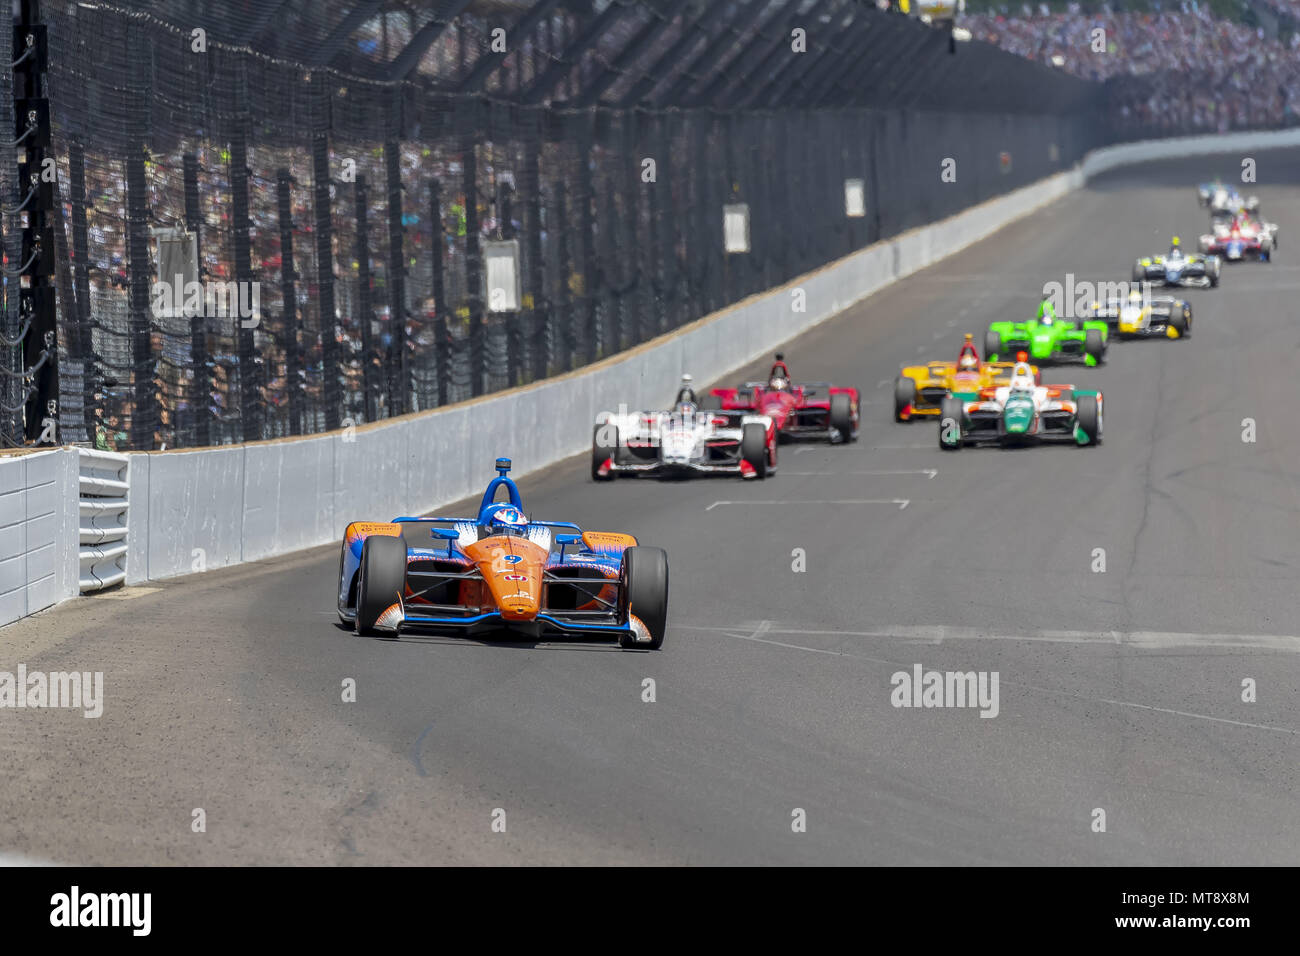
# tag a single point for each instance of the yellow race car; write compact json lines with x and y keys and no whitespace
{"x":921,"y":389}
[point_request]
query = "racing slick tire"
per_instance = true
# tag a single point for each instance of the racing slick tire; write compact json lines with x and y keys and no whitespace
{"x":1088,"y":416}
{"x":1180,"y":322}
{"x":950,"y":423}
{"x":381,"y":578}
{"x":1266,"y":247}
{"x":602,"y":449}
{"x":1139,"y":272}
{"x":343,"y":551}
{"x":645,"y":579}
{"x":1094,"y":345}
{"x":753,"y":447}
{"x":711,"y":403}
{"x":1212,"y":270}
{"x":904,"y":395}
{"x":842,"y":415}
{"x":992,"y":344}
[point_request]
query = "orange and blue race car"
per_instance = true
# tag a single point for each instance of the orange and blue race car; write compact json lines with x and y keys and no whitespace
{"x":817,"y":410}
{"x":499,"y":571}
{"x":921,"y":389}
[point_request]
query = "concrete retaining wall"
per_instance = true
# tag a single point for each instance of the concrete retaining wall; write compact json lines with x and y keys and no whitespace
{"x":38,"y":531}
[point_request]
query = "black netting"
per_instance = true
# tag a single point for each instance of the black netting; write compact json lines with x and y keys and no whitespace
{"x":356,"y":163}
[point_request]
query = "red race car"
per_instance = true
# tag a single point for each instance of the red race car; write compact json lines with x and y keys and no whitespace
{"x":1240,"y":238}
{"x":811,"y":410}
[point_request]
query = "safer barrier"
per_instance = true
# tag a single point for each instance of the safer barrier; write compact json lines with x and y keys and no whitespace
{"x":63,"y":527}
{"x":102,"y":484}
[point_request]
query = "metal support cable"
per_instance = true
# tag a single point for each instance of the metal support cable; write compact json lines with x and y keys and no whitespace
{"x":15,"y":273}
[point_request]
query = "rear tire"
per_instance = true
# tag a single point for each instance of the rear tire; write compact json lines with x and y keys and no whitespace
{"x":1179,"y":322}
{"x":950,"y":413}
{"x":842,"y":415}
{"x":904,"y":395}
{"x":753,"y":447}
{"x":343,"y":551}
{"x":1212,"y":270}
{"x":381,"y":579}
{"x":645,"y":574}
{"x":602,"y":450}
{"x":992,"y":346}
{"x":1139,"y":273}
{"x":711,"y":403}
{"x":1094,"y":345}
{"x":1088,"y":417}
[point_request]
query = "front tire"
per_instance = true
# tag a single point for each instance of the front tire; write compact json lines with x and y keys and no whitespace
{"x":1088,"y":417}
{"x":950,"y":414}
{"x":1094,"y":345}
{"x":1180,"y":321}
{"x":842,"y":415}
{"x":904,"y":397}
{"x":753,"y":447}
{"x":382,"y":579}
{"x":604,"y":446}
{"x":645,"y":578}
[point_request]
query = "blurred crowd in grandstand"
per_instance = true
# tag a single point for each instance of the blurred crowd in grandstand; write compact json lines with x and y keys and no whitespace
{"x":1212,"y":66}
{"x":172,"y":335}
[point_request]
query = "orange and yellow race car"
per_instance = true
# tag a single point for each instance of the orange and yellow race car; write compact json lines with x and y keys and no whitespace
{"x":501,"y":572}
{"x":920,"y":389}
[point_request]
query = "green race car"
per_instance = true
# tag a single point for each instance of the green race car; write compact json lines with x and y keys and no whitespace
{"x":1047,"y":339}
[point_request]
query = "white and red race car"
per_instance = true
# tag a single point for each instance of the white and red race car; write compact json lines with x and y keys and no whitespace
{"x":684,"y":442}
{"x":1240,"y":237}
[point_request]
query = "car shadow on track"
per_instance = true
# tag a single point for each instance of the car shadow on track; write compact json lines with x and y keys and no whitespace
{"x":507,"y":640}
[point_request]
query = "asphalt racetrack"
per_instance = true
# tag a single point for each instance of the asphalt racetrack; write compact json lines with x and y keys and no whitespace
{"x":1119,"y":690}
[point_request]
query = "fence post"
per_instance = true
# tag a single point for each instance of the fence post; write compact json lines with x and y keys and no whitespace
{"x":289,"y":294}
{"x":442,"y":334}
{"x":399,"y":385}
{"x":587,"y":224}
{"x":201,"y":381}
{"x":506,"y":230}
{"x":474,"y":274}
{"x":365,"y":312}
{"x":144,"y":411}
{"x":81,"y":278}
{"x":250,"y":405}
{"x":331,"y":394}
{"x":541,"y":318}
{"x":564,"y":292}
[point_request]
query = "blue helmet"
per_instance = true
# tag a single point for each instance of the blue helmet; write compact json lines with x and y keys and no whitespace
{"x":504,"y":518}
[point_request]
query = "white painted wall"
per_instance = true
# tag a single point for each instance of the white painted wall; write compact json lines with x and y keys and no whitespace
{"x":38,"y":531}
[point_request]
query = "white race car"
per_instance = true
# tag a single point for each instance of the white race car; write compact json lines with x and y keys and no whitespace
{"x":683,"y":442}
{"x":1228,"y":200}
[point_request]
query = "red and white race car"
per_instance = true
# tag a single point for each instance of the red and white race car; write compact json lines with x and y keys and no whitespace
{"x":1240,"y":237}
{"x":809,"y":410}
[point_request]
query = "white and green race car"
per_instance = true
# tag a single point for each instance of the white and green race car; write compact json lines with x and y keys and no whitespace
{"x":1021,"y":412}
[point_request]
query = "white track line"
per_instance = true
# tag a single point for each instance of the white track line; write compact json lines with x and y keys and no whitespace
{"x":765,"y":627}
{"x":928,"y":472}
{"x":1145,"y":640}
{"x":901,"y":502}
